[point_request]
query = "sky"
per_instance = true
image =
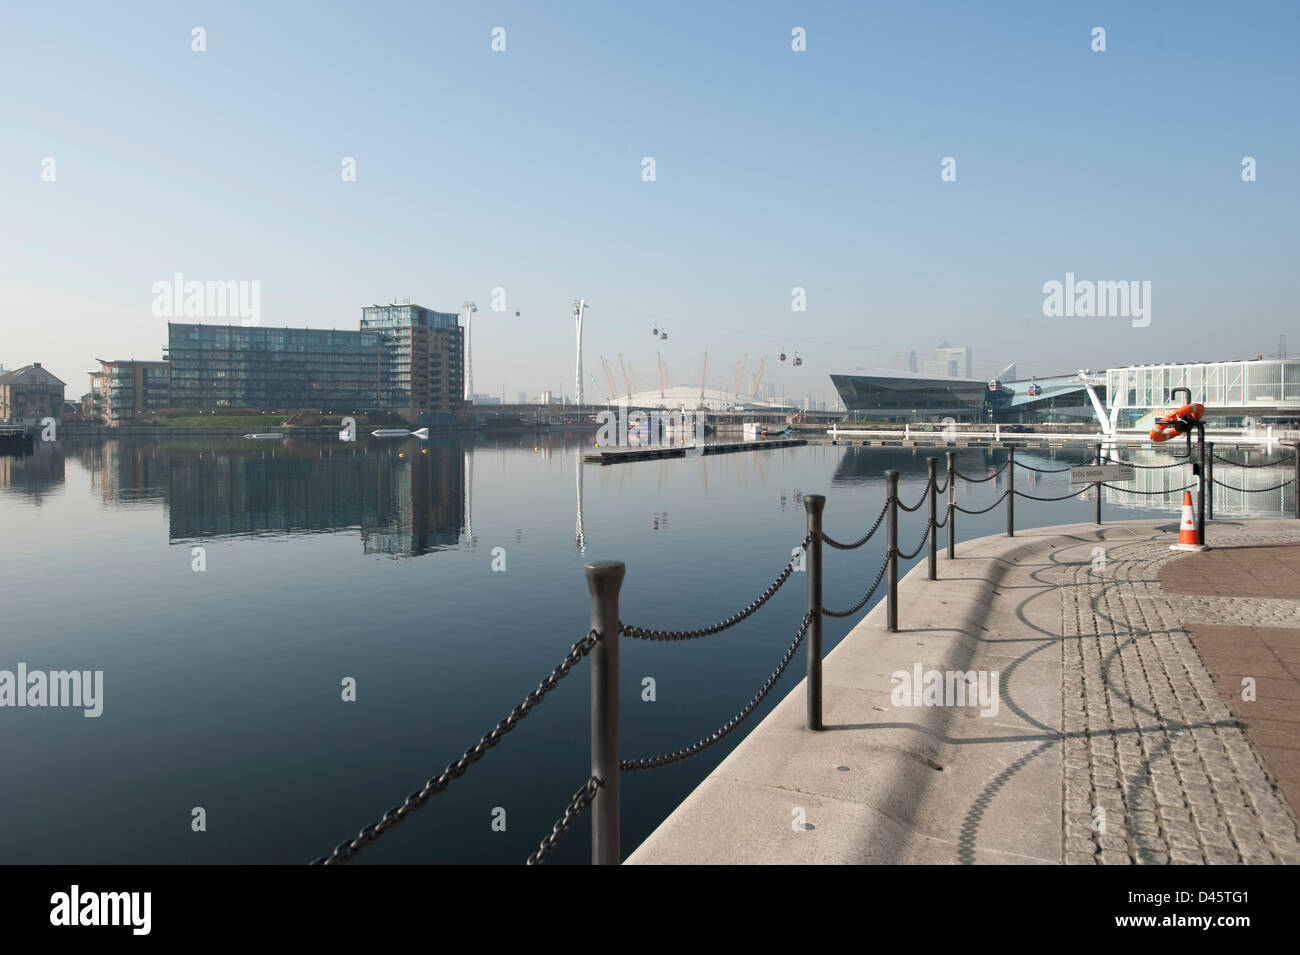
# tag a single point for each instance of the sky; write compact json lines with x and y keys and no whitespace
{"x":775,"y":169}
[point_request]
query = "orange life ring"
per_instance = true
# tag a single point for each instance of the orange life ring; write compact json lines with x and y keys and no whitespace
{"x":1177,"y":422}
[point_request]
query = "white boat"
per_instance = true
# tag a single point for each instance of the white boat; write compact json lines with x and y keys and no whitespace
{"x":264,"y":437}
{"x":422,"y":434}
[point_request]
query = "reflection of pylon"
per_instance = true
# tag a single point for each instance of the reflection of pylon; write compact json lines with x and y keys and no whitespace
{"x":1188,"y":536}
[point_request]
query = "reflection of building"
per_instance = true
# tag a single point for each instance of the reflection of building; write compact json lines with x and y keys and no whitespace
{"x":404,"y":357}
{"x":1264,"y":389}
{"x":424,"y":508}
{"x":1261,"y":496}
{"x":29,"y":394}
{"x":123,"y":390}
{"x":405,"y":499}
{"x":34,"y":474}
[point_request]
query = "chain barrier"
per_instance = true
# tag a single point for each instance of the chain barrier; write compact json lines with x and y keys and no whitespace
{"x":370,"y":834}
{"x":1127,"y":490}
{"x":580,"y":801}
{"x":642,"y":633}
{"x":1030,"y":467}
{"x":861,"y":540}
{"x":654,"y":762}
{"x":1255,"y":490}
{"x":943,"y":523}
{"x":971,"y":480}
{"x":924,"y":538}
{"x":942,"y":490}
{"x":925,"y":493}
{"x":1262,"y":464}
{"x":1146,"y":467}
{"x":984,"y":510}
{"x":880,"y":574}
{"x":1063,"y":497}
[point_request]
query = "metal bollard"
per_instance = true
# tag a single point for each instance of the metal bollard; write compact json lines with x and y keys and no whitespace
{"x":604,"y":580}
{"x":1209,"y":483}
{"x":1096,"y":488}
{"x":813,"y":504}
{"x":1296,"y":485}
{"x":1011,"y":491}
{"x":932,"y":466}
{"x":952,"y":504}
{"x":891,"y":542}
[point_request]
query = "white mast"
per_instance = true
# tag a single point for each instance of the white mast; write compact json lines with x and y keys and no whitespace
{"x":579,"y":306}
{"x":470,"y":308}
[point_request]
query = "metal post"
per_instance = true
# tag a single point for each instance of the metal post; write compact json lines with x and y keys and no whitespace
{"x":891,"y":542}
{"x":952,"y":504}
{"x":604,"y":580}
{"x":932,"y":466}
{"x":1209,"y":484}
{"x":1096,"y":488}
{"x":1200,"y":489}
{"x":813,"y":504}
{"x":1011,"y":491}
{"x":1296,"y":485}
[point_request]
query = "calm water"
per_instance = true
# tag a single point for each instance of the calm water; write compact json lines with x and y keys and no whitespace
{"x":222,"y":689}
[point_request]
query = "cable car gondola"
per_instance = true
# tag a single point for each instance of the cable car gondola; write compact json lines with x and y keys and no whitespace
{"x":797,"y":361}
{"x":781,"y":357}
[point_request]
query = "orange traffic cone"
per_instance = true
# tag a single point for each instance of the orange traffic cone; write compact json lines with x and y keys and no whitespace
{"x":1188,"y":536}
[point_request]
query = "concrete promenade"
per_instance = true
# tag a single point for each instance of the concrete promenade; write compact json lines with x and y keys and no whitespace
{"x":1110,"y":740}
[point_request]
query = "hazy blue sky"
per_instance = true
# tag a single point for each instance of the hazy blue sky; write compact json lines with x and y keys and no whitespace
{"x":775,"y":169}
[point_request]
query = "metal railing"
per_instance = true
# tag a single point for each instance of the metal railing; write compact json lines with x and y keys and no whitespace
{"x":601,"y":791}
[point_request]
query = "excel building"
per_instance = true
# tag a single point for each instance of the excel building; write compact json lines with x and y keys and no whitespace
{"x":404,"y":357}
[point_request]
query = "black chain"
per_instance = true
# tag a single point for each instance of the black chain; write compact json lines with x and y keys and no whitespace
{"x":654,"y":762}
{"x":943,"y":523}
{"x":1254,"y":490}
{"x":1242,"y":464}
{"x":1145,"y":467}
{"x":641,"y":633}
{"x":1172,"y":490}
{"x":870,"y":593}
{"x":918,"y":546}
{"x":918,"y":503}
{"x":972,"y":480}
{"x":1030,"y":467}
{"x":861,"y":540}
{"x":942,"y":490}
{"x":1061,"y":498}
{"x":580,"y":801}
{"x":370,"y":834}
{"x":985,"y":510}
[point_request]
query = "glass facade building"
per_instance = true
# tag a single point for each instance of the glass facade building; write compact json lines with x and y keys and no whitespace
{"x":1264,"y":389}
{"x":404,"y":357}
{"x":899,"y":396}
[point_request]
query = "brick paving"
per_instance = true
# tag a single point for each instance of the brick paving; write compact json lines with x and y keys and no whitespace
{"x":1159,"y":766}
{"x":1254,"y":593}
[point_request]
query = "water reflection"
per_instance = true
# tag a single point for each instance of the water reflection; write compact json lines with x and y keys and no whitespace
{"x":405,"y":498}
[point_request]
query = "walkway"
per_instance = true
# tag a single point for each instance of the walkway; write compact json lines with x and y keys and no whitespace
{"x":1108,"y":739}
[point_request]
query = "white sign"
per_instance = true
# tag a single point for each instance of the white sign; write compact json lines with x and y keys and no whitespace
{"x":1101,"y":472}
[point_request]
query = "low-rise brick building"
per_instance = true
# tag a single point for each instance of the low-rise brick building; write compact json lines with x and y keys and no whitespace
{"x":29,"y":394}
